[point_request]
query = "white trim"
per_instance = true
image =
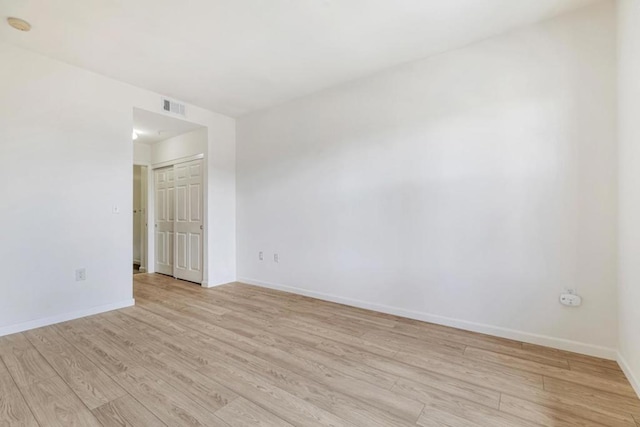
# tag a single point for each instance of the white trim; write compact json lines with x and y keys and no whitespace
{"x":206,"y":284}
{"x":38,"y":323}
{"x":178,"y":161}
{"x":633,"y":380}
{"x":544,"y":340}
{"x":142,"y":269}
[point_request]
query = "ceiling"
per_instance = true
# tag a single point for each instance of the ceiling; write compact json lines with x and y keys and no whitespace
{"x":152,"y":127}
{"x":236,"y":56}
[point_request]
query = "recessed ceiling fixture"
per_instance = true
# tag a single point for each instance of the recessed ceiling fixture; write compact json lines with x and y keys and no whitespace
{"x":19,"y":24}
{"x":134,"y":135}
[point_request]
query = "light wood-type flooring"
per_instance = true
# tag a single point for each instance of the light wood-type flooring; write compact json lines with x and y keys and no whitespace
{"x":240,"y":355}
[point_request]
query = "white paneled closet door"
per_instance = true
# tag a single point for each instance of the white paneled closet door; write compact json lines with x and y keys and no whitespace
{"x":165,"y":218}
{"x":189,"y":223}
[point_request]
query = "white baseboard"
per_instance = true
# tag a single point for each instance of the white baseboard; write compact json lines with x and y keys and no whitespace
{"x":38,"y":323}
{"x":206,"y":284}
{"x":544,"y":340}
{"x":635,"y":382}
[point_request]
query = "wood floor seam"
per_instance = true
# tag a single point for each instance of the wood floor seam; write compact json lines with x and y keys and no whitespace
{"x":19,"y":393}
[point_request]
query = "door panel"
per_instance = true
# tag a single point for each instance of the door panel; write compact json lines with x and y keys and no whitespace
{"x":195,"y":200}
{"x":196,"y":247}
{"x":188,"y":223}
{"x":164,"y":188}
{"x":182,"y":204}
{"x":181,"y":250}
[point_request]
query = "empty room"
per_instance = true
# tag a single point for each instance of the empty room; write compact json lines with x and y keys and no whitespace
{"x":338,"y":212}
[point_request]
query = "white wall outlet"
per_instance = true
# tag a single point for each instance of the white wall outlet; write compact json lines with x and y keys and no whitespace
{"x":276,"y":258}
{"x":261,"y":256}
{"x":570,"y":300}
{"x":115,"y":209}
{"x":81,"y":274}
{"x":570,"y":291}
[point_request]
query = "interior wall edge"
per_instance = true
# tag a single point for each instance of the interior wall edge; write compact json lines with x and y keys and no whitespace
{"x":59,"y":318}
{"x":206,"y":284}
{"x":497,"y":331}
{"x":635,"y":382}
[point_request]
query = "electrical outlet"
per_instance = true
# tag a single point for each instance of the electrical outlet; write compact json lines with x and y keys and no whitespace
{"x":276,"y":258}
{"x":570,"y":300}
{"x":261,"y":256}
{"x":81,"y":274}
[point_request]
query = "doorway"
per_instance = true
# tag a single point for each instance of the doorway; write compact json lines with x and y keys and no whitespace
{"x":173,"y":153}
{"x":139,"y":219}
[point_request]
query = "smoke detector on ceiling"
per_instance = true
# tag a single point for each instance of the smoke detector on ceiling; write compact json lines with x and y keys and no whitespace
{"x":19,"y":24}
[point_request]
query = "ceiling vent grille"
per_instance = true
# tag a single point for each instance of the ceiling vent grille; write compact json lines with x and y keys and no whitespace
{"x":173,"y":107}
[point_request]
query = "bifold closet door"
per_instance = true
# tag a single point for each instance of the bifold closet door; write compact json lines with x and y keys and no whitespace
{"x":165,"y":218}
{"x":188,"y":224}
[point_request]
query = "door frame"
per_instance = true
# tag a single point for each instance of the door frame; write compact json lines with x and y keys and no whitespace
{"x":144,"y":250}
{"x":152,"y":211}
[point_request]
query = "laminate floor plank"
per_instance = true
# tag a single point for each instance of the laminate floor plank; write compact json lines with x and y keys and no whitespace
{"x":7,"y":385}
{"x":181,"y":375}
{"x":354,"y":369}
{"x":534,"y":348}
{"x":600,"y":371}
{"x":54,"y":404}
{"x":242,"y":355}
{"x":164,"y":401}
{"x":589,"y":409}
{"x":243,"y":413}
{"x":25,"y":364}
{"x":351,"y":408}
{"x":498,"y":345}
{"x":478,"y":415}
{"x":605,"y":384}
{"x":13,"y":409}
{"x":593,"y":397}
{"x":110,"y":359}
{"x":90,"y":384}
{"x":323,"y":331}
{"x":462,"y":388}
{"x":287,"y":406}
{"x":154,"y":320}
{"x":548,"y":416}
{"x":194,"y":348}
{"x":503,"y":379}
{"x":126,"y":412}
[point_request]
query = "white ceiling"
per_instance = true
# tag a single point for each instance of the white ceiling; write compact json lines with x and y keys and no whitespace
{"x":236,"y":56}
{"x":152,"y":127}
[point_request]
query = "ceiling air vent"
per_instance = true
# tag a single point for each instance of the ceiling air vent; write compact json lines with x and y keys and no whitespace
{"x":173,"y":107}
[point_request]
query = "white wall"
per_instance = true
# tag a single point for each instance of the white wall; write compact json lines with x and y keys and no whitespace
{"x":468,"y":189}
{"x":141,"y":153}
{"x":629,"y":181}
{"x":180,"y":146}
{"x":65,"y":142}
